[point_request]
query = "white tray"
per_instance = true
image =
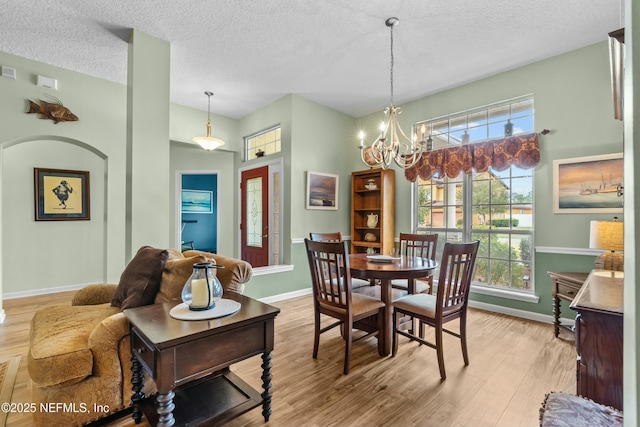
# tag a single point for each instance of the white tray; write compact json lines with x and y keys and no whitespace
{"x":382,"y":258}
{"x":224,"y":307}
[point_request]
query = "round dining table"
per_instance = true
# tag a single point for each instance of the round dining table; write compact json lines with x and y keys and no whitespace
{"x":385,"y":269}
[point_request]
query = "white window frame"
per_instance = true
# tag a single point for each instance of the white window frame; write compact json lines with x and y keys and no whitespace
{"x":467,"y":230}
{"x":250,"y":152}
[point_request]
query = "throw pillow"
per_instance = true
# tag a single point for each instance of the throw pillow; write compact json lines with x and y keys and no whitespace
{"x":175,"y":275}
{"x":140,"y":280}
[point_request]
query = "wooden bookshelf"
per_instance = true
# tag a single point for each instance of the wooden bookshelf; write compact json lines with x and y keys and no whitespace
{"x":367,"y":201}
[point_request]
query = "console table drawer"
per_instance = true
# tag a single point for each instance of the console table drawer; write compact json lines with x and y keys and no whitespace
{"x":143,"y":351}
{"x":200,"y":356}
{"x":566,"y":290}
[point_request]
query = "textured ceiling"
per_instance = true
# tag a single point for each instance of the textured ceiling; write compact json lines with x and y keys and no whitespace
{"x":335,"y":52}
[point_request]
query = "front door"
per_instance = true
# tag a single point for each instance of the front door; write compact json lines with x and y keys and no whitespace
{"x":254,"y":226}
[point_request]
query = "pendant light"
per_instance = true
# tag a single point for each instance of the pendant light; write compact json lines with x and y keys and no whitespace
{"x":208,"y":142}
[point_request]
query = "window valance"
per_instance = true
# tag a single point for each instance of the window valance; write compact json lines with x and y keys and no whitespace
{"x":522,"y":151}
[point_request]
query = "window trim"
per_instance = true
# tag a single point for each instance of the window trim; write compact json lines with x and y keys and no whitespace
{"x":257,"y":134}
{"x":527,"y":295}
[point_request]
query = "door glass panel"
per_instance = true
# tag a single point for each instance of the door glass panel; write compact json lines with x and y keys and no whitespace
{"x":275,"y":229}
{"x":254,"y":212}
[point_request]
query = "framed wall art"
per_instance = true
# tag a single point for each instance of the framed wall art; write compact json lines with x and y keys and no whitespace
{"x":197,"y":201}
{"x":588,"y":184}
{"x":61,"y":195}
{"x":322,"y":191}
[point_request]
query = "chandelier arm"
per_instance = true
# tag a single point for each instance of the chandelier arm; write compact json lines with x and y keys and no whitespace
{"x":402,"y":162}
{"x":411,"y":143}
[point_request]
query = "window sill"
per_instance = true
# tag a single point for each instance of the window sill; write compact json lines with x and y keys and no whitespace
{"x":503,"y":293}
{"x":272,"y":269}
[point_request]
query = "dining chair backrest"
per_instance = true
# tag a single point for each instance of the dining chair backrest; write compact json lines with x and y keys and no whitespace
{"x":330,"y":274}
{"x":456,"y":273}
{"x":326,"y":237}
{"x":419,"y":245}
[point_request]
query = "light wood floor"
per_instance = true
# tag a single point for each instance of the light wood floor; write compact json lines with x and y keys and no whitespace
{"x":513,"y":363}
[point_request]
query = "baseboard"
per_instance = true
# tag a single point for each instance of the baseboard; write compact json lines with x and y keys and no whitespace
{"x":286,"y":296}
{"x":523,"y":314}
{"x":36,"y":292}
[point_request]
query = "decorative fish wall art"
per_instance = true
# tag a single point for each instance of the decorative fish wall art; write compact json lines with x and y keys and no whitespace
{"x":52,"y":111}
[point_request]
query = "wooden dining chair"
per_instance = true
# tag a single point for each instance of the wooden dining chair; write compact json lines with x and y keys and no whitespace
{"x":332,"y":296}
{"x":417,"y":245}
{"x":336,"y":236}
{"x":449,"y":303}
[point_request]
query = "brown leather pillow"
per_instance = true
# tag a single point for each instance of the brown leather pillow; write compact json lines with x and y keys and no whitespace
{"x":176,"y":273}
{"x":140,"y":281}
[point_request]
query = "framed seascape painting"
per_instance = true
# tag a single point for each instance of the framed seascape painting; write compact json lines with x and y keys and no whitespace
{"x":322,"y":191}
{"x":588,"y":184}
{"x":197,"y":201}
{"x":61,"y":195}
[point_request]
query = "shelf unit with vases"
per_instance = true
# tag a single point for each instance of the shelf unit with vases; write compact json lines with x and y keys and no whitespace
{"x":372,"y":211}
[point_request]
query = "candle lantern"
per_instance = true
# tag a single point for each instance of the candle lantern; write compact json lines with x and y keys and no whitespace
{"x":203,"y":289}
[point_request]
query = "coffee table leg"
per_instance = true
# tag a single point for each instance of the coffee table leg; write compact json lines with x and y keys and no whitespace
{"x":164,"y":408}
{"x":266,"y":385}
{"x":137,"y":379}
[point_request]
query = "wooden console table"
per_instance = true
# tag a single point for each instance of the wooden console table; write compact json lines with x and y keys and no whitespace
{"x":189,"y":362}
{"x":564,"y":286}
{"x":599,"y":338}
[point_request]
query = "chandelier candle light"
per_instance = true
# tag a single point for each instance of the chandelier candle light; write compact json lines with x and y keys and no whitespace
{"x":208,"y":142}
{"x":388,"y":148}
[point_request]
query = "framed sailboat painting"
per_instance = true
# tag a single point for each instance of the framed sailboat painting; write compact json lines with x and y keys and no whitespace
{"x":591,"y":184}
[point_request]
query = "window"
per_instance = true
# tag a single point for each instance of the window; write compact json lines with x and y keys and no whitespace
{"x":493,"y":207}
{"x":262,"y":143}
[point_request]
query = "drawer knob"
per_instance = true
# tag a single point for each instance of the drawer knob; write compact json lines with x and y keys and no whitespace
{"x":141,"y":350}
{"x":570,"y":292}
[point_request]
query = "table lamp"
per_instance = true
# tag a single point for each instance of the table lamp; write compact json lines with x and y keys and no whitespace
{"x":609,"y":236}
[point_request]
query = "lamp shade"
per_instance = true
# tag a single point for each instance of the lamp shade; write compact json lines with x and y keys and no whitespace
{"x":607,"y":235}
{"x":209,"y":143}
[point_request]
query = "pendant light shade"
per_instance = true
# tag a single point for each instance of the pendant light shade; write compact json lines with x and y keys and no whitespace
{"x":208,"y":142}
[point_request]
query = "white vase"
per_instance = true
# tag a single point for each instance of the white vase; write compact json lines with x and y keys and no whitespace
{"x":372,"y":220}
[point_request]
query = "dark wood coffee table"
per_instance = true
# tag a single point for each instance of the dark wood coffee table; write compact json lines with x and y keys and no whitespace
{"x":189,"y":362}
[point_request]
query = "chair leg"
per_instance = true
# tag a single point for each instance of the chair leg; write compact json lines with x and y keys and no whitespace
{"x":463,"y":338}
{"x":347,"y":345}
{"x":440,"y":351}
{"x":316,"y":335}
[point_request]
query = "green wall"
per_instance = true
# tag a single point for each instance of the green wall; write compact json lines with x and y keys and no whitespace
{"x":572,"y":99}
{"x":44,"y":255}
{"x":312,"y":140}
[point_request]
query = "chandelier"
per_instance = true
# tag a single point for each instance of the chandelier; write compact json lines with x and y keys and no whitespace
{"x":208,"y":142}
{"x":392,"y":145}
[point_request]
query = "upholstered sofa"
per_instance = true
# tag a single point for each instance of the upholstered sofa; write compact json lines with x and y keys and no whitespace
{"x":79,"y":356}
